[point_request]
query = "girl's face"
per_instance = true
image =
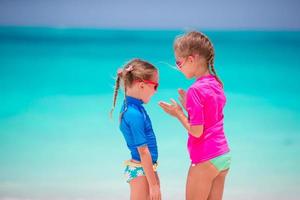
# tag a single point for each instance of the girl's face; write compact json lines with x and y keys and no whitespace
{"x":148,"y":87}
{"x":190,"y":65}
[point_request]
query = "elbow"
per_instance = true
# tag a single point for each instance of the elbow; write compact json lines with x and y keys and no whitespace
{"x":197,"y":131}
{"x":143,"y":151}
{"x":197,"y":134}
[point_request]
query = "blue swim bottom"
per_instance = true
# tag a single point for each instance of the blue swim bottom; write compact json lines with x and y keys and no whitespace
{"x":134,"y":170}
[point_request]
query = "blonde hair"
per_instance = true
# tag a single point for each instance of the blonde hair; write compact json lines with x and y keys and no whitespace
{"x":197,"y":43}
{"x":136,"y":69}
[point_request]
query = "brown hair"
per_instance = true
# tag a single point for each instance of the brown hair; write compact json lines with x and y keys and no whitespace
{"x":136,"y":69}
{"x":197,"y":43}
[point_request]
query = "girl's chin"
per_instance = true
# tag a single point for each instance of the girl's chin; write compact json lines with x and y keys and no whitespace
{"x":146,"y":101}
{"x":188,"y":76}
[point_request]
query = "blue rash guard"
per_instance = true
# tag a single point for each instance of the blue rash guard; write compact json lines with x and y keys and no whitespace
{"x":137,"y":128}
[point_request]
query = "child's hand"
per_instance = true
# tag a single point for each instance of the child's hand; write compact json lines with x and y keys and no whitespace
{"x":172,"y":109}
{"x":182,"y":97}
{"x":155,"y":193}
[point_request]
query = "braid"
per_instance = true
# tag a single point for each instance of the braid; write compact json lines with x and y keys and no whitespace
{"x":126,"y":79}
{"x":125,"y":102}
{"x":211,"y":58}
{"x":215,"y":74}
{"x":117,"y":86}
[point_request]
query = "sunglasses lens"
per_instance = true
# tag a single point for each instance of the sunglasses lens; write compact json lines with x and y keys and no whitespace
{"x":178,"y":64}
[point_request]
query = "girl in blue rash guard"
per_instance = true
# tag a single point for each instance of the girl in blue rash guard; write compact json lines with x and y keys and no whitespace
{"x":140,"y":82}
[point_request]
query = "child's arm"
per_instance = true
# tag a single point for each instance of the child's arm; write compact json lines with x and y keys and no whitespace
{"x":195,"y":130}
{"x":176,"y":111}
{"x":146,"y":160}
{"x":182,"y":97}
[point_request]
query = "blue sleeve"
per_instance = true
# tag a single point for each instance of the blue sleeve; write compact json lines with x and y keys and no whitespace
{"x":136,"y":122}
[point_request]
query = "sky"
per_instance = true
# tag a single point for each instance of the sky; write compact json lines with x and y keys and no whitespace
{"x":154,"y":14}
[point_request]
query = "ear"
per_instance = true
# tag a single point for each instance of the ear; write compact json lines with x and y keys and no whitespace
{"x":141,"y":85}
{"x":191,"y":59}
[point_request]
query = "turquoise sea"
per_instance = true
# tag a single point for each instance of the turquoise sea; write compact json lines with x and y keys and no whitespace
{"x":57,"y":141}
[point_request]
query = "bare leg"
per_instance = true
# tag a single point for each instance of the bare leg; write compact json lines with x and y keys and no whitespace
{"x":157,"y":178}
{"x":217,"y":188}
{"x":139,"y":188}
{"x":199,"y":181}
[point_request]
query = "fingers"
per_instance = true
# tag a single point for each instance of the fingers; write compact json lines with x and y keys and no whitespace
{"x":181,"y":92}
{"x":180,"y":99}
{"x":166,"y":110}
{"x":165,"y":106}
{"x":164,"y":103}
{"x":156,"y":196}
{"x":173,"y":102}
{"x":159,"y":196}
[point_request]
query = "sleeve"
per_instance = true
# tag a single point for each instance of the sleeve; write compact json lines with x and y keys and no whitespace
{"x":194,"y":107}
{"x":137,"y":126}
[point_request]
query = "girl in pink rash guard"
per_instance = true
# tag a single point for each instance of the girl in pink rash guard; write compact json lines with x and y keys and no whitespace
{"x":204,"y":103}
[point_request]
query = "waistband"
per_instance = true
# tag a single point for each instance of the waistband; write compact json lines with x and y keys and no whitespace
{"x":134,"y":164}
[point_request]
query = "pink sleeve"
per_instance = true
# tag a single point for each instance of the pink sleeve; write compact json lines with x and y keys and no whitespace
{"x":194,"y":107}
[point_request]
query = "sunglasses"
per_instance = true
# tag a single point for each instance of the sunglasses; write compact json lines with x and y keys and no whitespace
{"x":149,"y":82}
{"x":179,"y":63}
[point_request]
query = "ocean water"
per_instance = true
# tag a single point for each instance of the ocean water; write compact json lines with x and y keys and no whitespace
{"x":57,"y":141}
